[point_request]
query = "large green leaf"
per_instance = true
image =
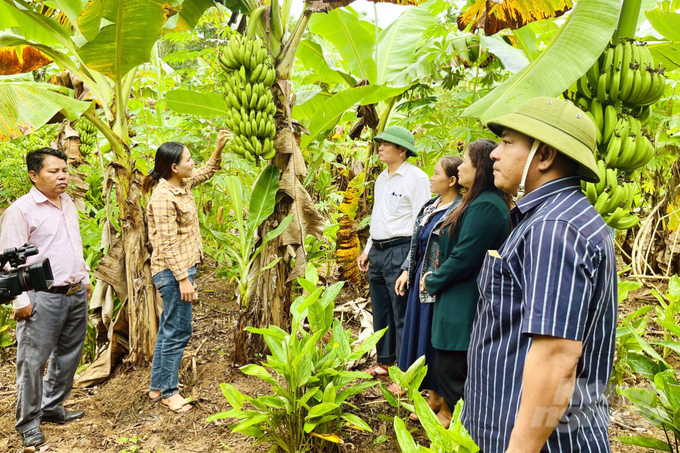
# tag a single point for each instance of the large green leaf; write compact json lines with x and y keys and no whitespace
{"x":398,"y":43}
{"x":72,"y":9}
{"x":382,"y":93}
{"x":330,"y":111}
{"x":312,"y":57}
{"x":567,"y":58}
{"x":667,"y":23}
{"x":263,"y":198}
{"x":308,"y":108}
{"x":129,"y":29}
{"x":36,"y":27}
{"x":191,"y":11}
{"x":26,"y":107}
{"x":351,"y":39}
{"x":208,"y":105}
{"x":513,"y":59}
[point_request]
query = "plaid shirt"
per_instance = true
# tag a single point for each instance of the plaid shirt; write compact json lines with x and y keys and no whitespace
{"x":173,"y":223}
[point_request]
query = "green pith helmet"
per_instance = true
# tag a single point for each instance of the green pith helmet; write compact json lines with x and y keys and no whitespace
{"x":557,"y":123}
{"x":399,"y":136}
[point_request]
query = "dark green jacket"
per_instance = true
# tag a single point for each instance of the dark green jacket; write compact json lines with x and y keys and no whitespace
{"x":483,"y":227}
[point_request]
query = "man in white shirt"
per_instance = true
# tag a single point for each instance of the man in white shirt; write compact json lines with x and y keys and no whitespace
{"x":400,"y":192}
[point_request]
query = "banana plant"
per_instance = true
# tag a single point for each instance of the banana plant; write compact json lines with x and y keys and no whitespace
{"x":102,"y":44}
{"x":241,"y":245}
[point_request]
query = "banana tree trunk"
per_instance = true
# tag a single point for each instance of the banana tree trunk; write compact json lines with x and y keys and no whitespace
{"x":143,"y":305}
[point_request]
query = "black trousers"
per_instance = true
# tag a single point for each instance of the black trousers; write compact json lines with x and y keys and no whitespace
{"x":450,"y":368}
{"x":389,"y":309}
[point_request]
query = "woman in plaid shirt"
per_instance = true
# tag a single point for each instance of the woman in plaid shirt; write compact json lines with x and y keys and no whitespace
{"x":176,"y":240}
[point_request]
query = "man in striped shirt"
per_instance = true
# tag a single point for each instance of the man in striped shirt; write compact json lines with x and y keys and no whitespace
{"x":542,"y":343}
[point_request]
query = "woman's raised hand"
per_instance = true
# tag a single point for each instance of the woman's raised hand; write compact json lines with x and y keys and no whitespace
{"x":400,"y":285}
{"x":222,"y":137}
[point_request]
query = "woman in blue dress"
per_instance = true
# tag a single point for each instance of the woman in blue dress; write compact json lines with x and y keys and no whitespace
{"x":424,"y":248}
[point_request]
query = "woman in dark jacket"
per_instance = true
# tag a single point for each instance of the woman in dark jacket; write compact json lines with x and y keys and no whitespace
{"x":424,"y":247}
{"x":479,"y":226}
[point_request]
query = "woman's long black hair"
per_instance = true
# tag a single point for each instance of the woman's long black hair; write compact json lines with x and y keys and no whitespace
{"x":167,"y":154}
{"x":480,"y":156}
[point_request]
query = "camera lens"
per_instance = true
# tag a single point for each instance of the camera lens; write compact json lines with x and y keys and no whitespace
{"x":37,"y":276}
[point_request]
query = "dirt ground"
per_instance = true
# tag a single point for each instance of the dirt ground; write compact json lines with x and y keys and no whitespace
{"x":120,"y":418}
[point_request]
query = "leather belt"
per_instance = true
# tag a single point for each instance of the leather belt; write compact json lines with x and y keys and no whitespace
{"x":387,"y":243}
{"x":69,"y":290}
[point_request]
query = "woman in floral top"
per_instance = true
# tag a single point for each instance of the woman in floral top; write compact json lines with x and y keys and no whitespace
{"x":176,"y":240}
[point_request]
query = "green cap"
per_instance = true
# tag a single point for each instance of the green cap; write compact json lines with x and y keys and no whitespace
{"x":557,"y":123}
{"x":399,"y":136}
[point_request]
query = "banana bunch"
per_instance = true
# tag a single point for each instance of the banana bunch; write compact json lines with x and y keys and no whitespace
{"x":88,"y":135}
{"x":248,"y":73}
{"x":617,"y":93}
{"x":612,"y":197}
{"x":625,"y":73}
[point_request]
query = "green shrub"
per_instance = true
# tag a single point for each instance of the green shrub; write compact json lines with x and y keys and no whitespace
{"x":311,"y":387}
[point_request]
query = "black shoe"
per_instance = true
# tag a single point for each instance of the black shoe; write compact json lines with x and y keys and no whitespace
{"x":67,"y":416}
{"x":33,"y":437}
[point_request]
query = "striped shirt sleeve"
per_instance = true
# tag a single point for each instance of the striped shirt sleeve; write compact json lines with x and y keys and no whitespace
{"x":165,"y":220}
{"x":556,"y":281}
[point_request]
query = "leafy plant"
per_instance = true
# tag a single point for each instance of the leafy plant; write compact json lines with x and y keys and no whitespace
{"x":660,"y":407}
{"x":455,"y":439}
{"x":241,"y":244}
{"x":409,"y":381}
{"x":311,"y":387}
{"x":666,"y":315}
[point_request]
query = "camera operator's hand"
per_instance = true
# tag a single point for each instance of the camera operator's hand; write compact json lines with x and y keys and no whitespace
{"x":187,"y":291}
{"x":22,"y":314}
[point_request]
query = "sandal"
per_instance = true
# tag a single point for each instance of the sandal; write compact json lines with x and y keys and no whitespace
{"x":378,"y":370}
{"x":396,"y":390}
{"x":177,"y":408}
{"x":151,"y":399}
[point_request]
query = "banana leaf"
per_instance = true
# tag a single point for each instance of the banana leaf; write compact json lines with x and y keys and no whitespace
{"x":513,"y":59}
{"x":34,"y":26}
{"x":207,"y":105}
{"x":567,"y":57}
{"x":312,"y":57}
{"x":398,"y":43}
{"x":667,"y":53}
{"x":121,"y":34}
{"x":309,"y":105}
{"x":191,"y":11}
{"x":328,"y":114}
{"x":263,"y":198}
{"x":26,"y":107}
{"x":351,"y":38}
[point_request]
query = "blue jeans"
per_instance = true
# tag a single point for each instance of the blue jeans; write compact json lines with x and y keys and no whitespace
{"x":174,"y":332}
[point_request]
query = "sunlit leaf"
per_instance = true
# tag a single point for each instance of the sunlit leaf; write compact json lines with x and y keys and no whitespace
{"x":567,"y":58}
{"x":496,"y":16}
{"x":354,"y":43}
{"x":124,"y":33}
{"x":397,"y":44}
{"x":26,"y":107}
{"x":208,"y":105}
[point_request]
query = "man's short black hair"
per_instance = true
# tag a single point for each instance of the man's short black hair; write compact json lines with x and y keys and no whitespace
{"x":34,"y":159}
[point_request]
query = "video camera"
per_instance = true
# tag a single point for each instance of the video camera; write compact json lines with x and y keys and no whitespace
{"x":37,"y":276}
